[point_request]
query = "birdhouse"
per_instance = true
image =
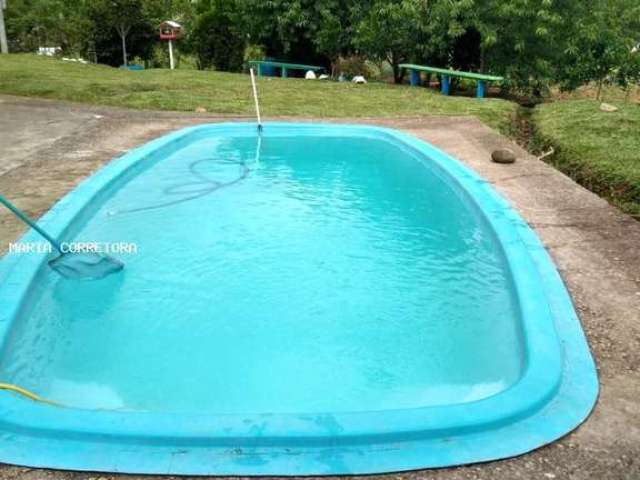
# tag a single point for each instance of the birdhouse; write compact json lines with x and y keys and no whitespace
{"x":170,"y":30}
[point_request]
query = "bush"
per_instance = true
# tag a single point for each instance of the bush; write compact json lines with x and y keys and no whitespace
{"x":159,"y":56}
{"x":217,"y":38}
{"x":253,"y":52}
{"x":353,"y":65}
{"x":103,"y":40}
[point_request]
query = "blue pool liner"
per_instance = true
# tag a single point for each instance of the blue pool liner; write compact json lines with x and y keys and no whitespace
{"x":556,"y":392}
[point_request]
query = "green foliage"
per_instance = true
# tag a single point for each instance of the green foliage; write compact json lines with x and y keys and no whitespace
{"x":533,"y":43}
{"x":310,"y":31}
{"x":353,"y":65}
{"x":252,"y":52}
{"x":597,"y":149}
{"x":159,"y":57}
{"x":521,"y":39}
{"x":119,"y":30}
{"x":90,"y":27}
{"x":602,"y":45}
{"x":332,"y":36}
{"x":391,"y":31}
{"x":217,"y":38}
{"x":46,"y":23}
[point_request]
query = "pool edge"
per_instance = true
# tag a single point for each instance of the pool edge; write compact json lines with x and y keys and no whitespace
{"x":381,"y":457}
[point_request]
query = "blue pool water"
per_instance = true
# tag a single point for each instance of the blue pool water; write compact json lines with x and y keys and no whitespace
{"x":342,"y":274}
{"x":325,"y":300}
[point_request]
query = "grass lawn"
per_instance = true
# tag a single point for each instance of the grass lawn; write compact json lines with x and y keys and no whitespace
{"x":600,"y":150}
{"x":230,"y":93}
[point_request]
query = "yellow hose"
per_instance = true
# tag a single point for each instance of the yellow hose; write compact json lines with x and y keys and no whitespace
{"x":26,"y":393}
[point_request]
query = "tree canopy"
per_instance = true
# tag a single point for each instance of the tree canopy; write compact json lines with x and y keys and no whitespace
{"x":533,"y":43}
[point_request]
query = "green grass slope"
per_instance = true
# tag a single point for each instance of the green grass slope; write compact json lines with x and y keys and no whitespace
{"x":230,"y":93}
{"x":599,"y":150}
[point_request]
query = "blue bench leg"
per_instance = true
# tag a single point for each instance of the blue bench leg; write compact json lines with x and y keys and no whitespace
{"x":480,"y":88}
{"x":444,"y":84}
{"x":415,"y":78}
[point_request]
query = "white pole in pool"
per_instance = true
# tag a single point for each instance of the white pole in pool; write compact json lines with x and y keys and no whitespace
{"x":255,"y":98}
{"x":171,"y":54}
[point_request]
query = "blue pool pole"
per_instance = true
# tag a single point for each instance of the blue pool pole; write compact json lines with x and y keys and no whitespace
{"x":415,"y":78}
{"x":22,"y":216}
{"x":444,"y":84}
{"x":480,"y":89}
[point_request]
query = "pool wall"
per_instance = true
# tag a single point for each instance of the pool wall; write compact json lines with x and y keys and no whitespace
{"x":556,"y":392}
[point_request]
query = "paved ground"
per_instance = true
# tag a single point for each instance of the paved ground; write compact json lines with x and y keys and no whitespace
{"x":48,"y":147}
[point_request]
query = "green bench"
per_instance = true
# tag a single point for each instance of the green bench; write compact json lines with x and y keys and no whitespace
{"x":283,"y":66}
{"x":445,"y":76}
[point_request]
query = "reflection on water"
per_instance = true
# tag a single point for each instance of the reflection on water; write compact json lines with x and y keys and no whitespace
{"x":85,"y":395}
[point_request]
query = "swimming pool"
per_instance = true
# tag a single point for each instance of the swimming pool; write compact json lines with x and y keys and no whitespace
{"x":327,"y":299}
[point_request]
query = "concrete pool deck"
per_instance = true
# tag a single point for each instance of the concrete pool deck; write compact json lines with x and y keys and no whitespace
{"x":48,"y":147}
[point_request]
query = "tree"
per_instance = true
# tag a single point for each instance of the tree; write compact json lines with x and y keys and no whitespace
{"x":391,"y":30}
{"x":46,"y":23}
{"x":119,"y":28}
{"x":521,"y":39}
{"x":123,"y":15}
{"x":602,"y":46}
{"x":182,"y":11}
{"x":285,"y":28}
{"x":333,"y":32}
{"x":217,"y":38}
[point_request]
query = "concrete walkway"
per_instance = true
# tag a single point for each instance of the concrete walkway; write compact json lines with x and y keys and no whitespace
{"x":48,"y":147}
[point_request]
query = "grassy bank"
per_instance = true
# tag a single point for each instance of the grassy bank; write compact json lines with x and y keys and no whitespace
{"x":599,"y":150}
{"x":230,"y":93}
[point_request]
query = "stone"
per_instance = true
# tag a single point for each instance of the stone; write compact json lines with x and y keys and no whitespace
{"x":310,"y":75}
{"x":201,"y":110}
{"x":607,"y":107}
{"x":359,"y":79}
{"x":503,"y":155}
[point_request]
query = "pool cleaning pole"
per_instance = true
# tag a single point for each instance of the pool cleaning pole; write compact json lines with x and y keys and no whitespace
{"x":22,"y":216}
{"x":255,"y":98}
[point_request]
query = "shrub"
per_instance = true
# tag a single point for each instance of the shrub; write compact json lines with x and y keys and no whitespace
{"x":253,"y":52}
{"x":159,"y":56}
{"x":217,"y":38}
{"x":353,"y":65}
